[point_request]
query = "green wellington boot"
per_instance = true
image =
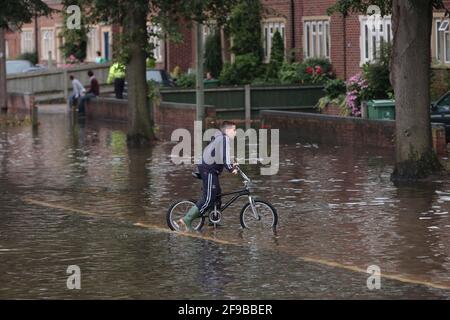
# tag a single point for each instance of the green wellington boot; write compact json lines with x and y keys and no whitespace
{"x":190,"y":216}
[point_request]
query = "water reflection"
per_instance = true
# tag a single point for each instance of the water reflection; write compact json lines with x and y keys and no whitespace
{"x":336,"y":204}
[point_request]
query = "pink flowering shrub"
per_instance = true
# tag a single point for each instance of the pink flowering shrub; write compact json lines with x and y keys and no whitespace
{"x":71,"y":62}
{"x":357,"y":90}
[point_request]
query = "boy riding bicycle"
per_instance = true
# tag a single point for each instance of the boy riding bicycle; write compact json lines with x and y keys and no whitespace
{"x":215,"y":158}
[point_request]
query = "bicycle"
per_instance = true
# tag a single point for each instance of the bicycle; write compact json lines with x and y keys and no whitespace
{"x":256,"y":214}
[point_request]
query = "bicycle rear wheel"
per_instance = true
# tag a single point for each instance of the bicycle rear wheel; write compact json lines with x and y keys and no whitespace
{"x":267,"y":216}
{"x":178,"y":210}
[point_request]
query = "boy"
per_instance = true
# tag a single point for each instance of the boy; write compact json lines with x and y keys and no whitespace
{"x":93,"y":92}
{"x":210,"y":169}
{"x":78,"y":90}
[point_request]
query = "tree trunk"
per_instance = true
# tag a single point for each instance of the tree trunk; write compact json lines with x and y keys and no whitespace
{"x":411,"y":58}
{"x":140,"y":131}
{"x":3,"y":87}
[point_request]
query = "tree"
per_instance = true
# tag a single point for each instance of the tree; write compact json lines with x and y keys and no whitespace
{"x":134,"y":45}
{"x":276,"y":57}
{"x":75,"y":40}
{"x":213,"y":54}
{"x":410,"y":77}
{"x":12,"y":16}
{"x":244,"y":27}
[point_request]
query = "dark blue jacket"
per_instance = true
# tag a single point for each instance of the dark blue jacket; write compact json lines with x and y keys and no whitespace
{"x":222,"y":143}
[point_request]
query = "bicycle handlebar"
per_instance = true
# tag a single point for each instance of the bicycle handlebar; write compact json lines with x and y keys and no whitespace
{"x":242,"y":174}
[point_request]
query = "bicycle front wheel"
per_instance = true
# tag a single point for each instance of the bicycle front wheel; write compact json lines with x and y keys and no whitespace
{"x":265,"y":216}
{"x":178,"y":210}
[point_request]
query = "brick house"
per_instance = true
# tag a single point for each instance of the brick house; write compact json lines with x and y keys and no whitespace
{"x":307,"y":30}
{"x":348,"y":42}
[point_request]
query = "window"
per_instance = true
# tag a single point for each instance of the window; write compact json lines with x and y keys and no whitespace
{"x":316,"y":39}
{"x":270,"y":28}
{"x":26,"y":41}
{"x":442,"y":41}
{"x":48,"y":44}
{"x":93,"y":44}
{"x":158,"y":43}
{"x":375,"y":30}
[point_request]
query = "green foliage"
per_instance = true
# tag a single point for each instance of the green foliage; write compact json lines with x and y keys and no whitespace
{"x":246,"y":68}
{"x":75,"y":40}
{"x":153,"y":91}
{"x":29,"y":56}
{"x":335,"y":88}
{"x":14,"y":14}
{"x":377,"y":75}
{"x":276,"y":58}
{"x":187,"y":80}
{"x":245,"y":28}
{"x":440,"y":83}
{"x":340,"y":101}
{"x":151,"y":63}
{"x":290,"y":73}
{"x":213,"y":55}
{"x":315,"y":71}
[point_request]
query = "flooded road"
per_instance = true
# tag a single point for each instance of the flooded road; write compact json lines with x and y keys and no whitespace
{"x":74,"y":194}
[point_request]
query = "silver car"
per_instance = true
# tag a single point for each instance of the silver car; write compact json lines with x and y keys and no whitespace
{"x":21,"y":66}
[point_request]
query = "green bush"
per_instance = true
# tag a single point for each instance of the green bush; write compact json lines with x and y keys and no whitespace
{"x":377,"y":75}
{"x":310,"y":71}
{"x":213,"y":55}
{"x":276,"y":57}
{"x":187,"y":80}
{"x":29,"y":56}
{"x":245,"y":69}
{"x":440,"y":83}
{"x":290,"y":73}
{"x":335,"y":88}
{"x":244,"y":26}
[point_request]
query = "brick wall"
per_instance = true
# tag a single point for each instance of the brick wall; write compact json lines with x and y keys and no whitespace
{"x":167,"y":116}
{"x":20,"y":105}
{"x":107,"y":109}
{"x":182,"y":54}
{"x":333,"y":130}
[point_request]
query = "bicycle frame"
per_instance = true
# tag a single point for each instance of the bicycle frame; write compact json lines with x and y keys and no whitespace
{"x":238,"y":194}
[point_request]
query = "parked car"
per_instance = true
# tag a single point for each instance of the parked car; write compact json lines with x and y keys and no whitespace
{"x":21,"y":66}
{"x":159,"y":76}
{"x":440,"y":112}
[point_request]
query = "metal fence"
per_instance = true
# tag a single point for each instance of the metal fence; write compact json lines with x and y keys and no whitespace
{"x":231,"y":102}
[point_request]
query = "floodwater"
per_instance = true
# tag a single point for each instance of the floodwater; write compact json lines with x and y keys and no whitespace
{"x":74,"y":194}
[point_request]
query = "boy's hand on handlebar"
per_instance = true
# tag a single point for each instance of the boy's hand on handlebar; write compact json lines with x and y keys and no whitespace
{"x":235,"y":169}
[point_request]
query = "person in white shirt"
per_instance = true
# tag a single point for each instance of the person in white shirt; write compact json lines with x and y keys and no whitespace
{"x":78,"y":91}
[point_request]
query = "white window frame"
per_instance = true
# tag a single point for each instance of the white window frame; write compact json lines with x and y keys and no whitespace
{"x":316,"y":38}
{"x":158,"y":42}
{"x":27,"y":41}
{"x":269,"y":29}
{"x":373,"y":31}
{"x":48,"y":43}
{"x":442,"y":40}
{"x":93,"y":44}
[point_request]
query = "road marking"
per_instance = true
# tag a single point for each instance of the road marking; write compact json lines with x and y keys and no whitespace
{"x":320,"y":261}
{"x":138,"y":224}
